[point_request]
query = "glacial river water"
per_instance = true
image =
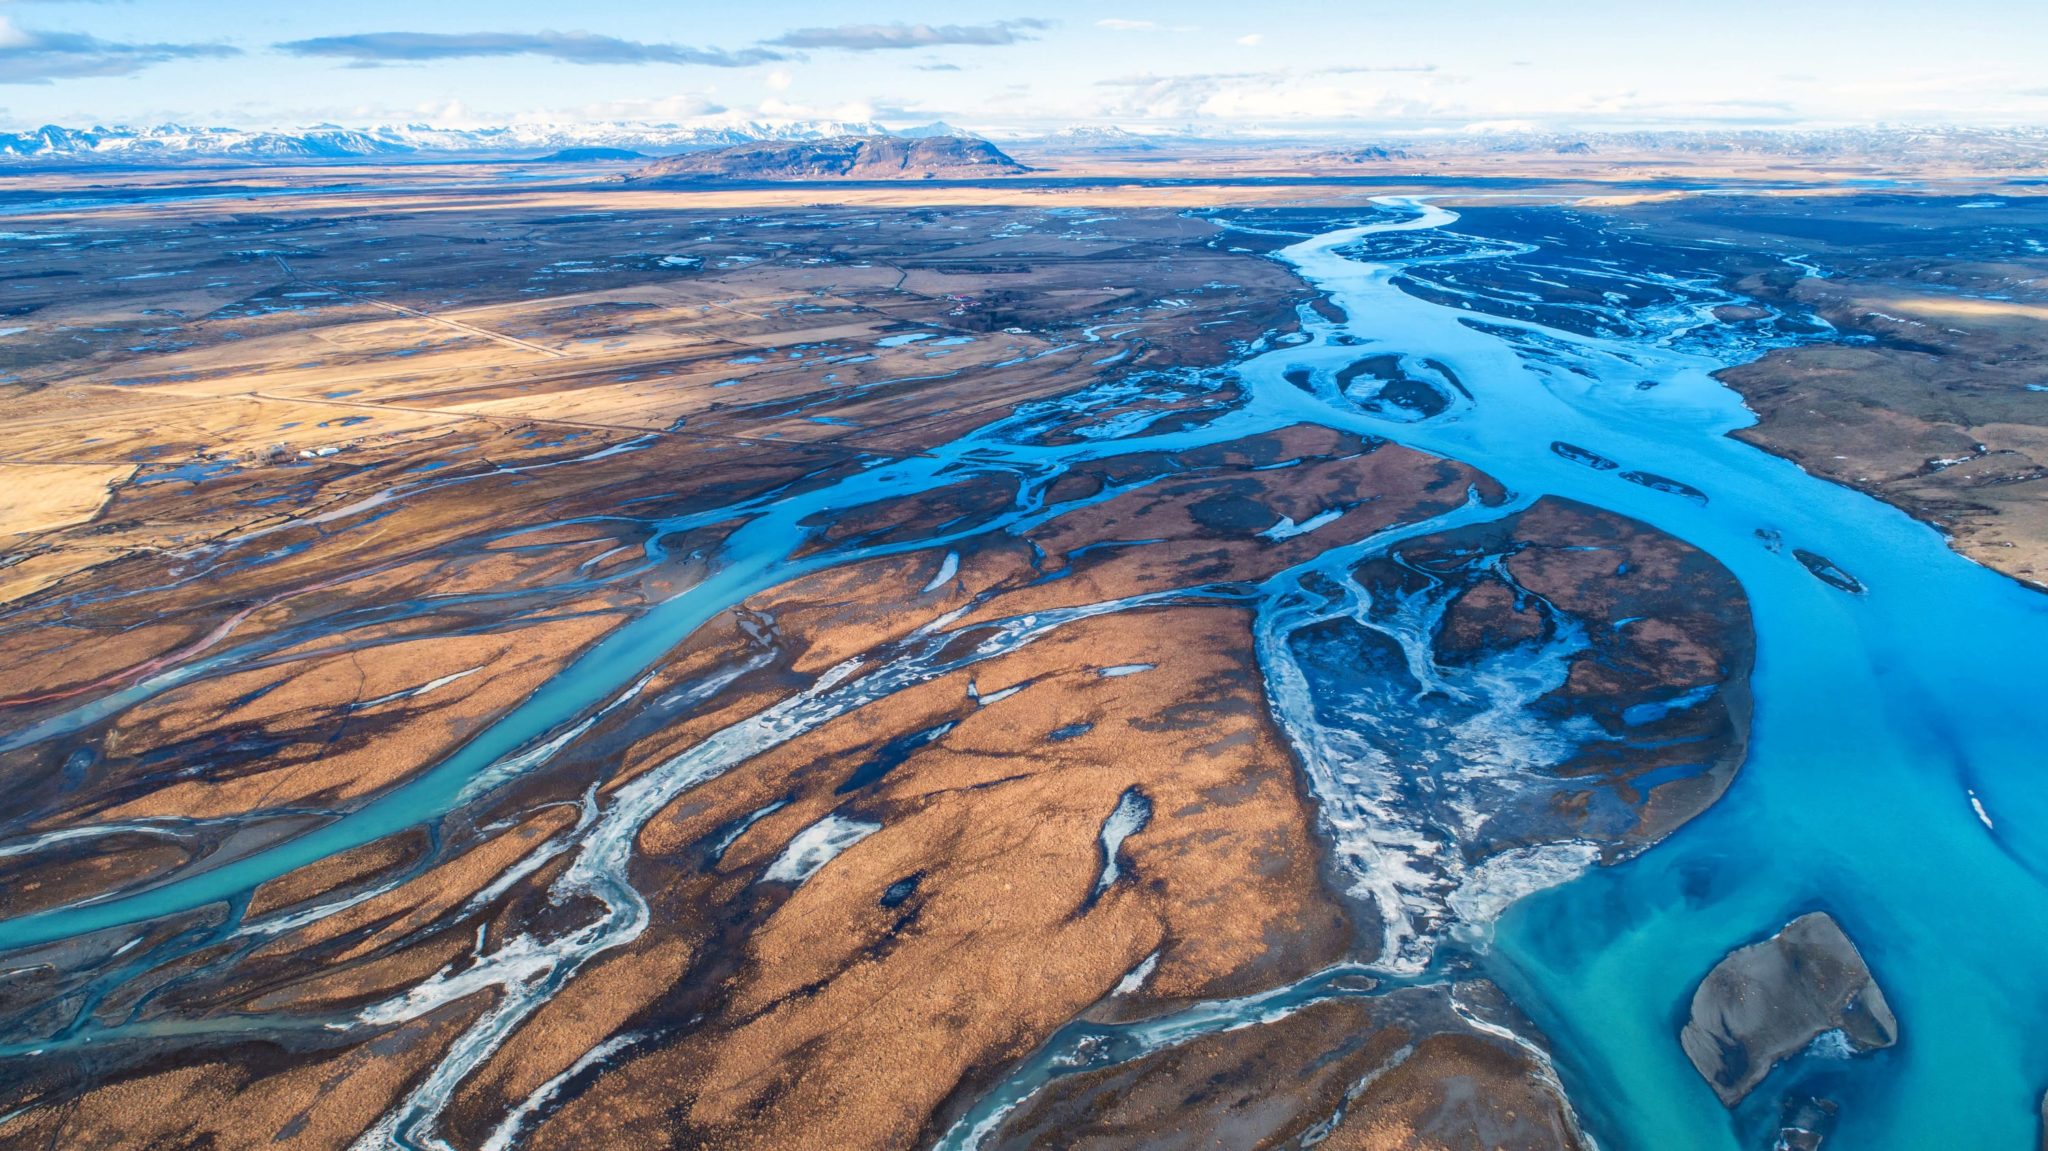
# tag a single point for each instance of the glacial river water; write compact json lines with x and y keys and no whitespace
{"x":1892,"y":780}
{"x":1878,"y":717}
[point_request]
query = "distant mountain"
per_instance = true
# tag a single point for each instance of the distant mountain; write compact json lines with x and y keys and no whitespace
{"x":170,"y":143}
{"x":2025,"y":147}
{"x":331,"y":143}
{"x":1094,"y":139}
{"x":935,"y":128}
{"x":176,"y":140}
{"x":843,"y":158}
{"x":1368,"y":155}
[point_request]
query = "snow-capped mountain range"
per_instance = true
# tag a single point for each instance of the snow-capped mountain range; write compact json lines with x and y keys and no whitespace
{"x":171,"y":142}
{"x":2025,"y":148}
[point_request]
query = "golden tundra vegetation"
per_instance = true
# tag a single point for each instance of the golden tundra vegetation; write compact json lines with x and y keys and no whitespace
{"x":404,"y":454}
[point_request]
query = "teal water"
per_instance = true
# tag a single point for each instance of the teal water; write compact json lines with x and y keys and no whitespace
{"x":1878,"y":715}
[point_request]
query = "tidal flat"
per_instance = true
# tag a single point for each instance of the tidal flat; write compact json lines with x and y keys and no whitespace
{"x":1261,"y":666}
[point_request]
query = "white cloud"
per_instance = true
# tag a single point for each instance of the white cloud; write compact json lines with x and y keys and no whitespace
{"x":448,"y":114}
{"x":889,"y":37}
{"x":373,"y":49}
{"x":1275,"y":95}
{"x":681,"y":108}
{"x":773,"y":109}
{"x":1253,"y":40}
{"x":778,"y":80}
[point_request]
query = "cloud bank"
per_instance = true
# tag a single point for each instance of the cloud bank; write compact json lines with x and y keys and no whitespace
{"x":885,"y":37}
{"x":370,"y":49}
{"x":31,"y":57}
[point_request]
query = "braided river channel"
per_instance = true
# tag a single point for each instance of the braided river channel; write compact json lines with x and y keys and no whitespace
{"x":1893,"y":774}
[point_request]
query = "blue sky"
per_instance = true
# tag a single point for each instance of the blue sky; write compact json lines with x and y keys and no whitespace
{"x":1361,"y":65}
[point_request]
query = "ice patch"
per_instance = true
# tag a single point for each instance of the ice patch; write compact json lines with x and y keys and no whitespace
{"x":1832,"y":1044}
{"x":753,"y":817}
{"x":1977,"y":805}
{"x":817,"y":845}
{"x":507,"y":1134}
{"x":947,"y":571}
{"x":1132,"y":812}
{"x":1492,"y":886}
{"x":1124,"y":669}
{"x":1135,"y":979}
{"x":36,"y":843}
{"x":411,"y":692}
{"x":1288,"y":529}
{"x":999,"y":696}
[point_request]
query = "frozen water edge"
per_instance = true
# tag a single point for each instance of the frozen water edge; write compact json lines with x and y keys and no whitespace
{"x":1132,"y":812}
{"x":1495,"y":884}
{"x":817,"y":845}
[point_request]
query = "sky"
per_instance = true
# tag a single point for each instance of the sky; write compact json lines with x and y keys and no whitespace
{"x":1267,"y":67}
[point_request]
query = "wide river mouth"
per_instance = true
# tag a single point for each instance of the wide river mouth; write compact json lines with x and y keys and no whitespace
{"x":1879,"y":718}
{"x":1892,"y":779}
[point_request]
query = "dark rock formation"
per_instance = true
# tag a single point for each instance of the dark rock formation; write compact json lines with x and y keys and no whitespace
{"x":1808,"y":1123}
{"x":1767,"y":1001}
{"x":843,"y":158}
{"x":1365,"y":155}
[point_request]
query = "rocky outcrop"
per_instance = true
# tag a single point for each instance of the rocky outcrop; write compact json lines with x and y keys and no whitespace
{"x":843,"y":158}
{"x":1767,"y":1001}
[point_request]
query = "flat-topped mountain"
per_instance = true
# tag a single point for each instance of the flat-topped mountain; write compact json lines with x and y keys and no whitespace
{"x":841,"y":158}
{"x":1366,"y":155}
